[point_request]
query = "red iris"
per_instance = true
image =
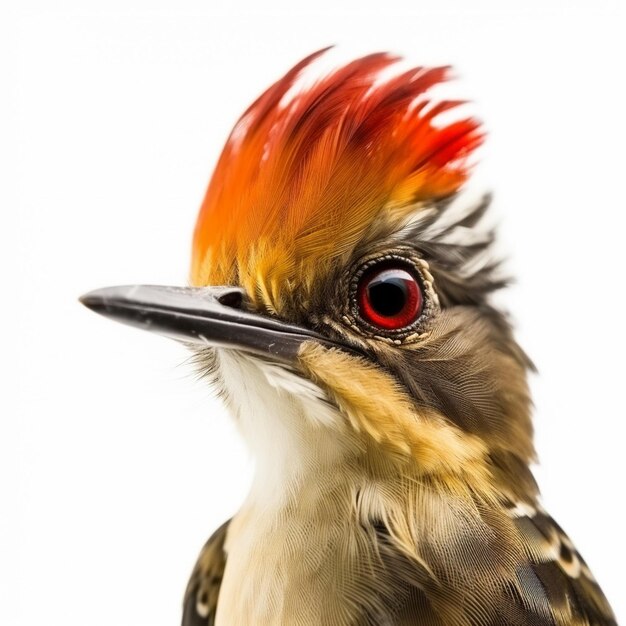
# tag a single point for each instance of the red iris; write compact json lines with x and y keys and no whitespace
{"x":389,"y":297}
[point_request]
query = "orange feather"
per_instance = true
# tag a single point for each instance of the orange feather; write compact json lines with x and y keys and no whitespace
{"x":304,"y":174}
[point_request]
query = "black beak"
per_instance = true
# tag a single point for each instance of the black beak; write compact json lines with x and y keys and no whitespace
{"x":209,"y":316}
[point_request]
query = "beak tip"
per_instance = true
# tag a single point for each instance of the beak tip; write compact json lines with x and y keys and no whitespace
{"x":86,"y":300}
{"x":100,"y":300}
{"x":91,"y":300}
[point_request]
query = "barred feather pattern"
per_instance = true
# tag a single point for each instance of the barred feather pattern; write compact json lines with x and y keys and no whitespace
{"x":566,"y":582}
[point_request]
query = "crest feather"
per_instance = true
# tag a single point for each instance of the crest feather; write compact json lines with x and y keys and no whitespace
{"x":305,"y":172}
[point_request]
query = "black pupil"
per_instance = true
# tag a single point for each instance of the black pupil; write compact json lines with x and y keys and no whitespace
{"x":387,"y":295}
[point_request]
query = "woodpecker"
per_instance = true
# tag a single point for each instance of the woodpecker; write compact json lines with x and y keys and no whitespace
{"x":341,"y":303}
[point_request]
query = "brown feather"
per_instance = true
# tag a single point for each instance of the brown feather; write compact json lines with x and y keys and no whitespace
{"x":201,"y":596}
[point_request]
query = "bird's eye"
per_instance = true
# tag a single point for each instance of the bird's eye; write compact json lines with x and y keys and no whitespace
{"x":389,"y":297}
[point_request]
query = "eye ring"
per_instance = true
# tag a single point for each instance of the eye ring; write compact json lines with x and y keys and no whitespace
{"x":399,"y":329}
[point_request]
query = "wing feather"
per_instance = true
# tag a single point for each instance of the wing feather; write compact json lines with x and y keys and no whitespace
{"x":200,"y":603}
{"x":512,"y":567}
{"x":569,"y":587}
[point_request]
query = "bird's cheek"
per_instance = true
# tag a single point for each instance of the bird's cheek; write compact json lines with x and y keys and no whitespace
{"x":380,"y":412}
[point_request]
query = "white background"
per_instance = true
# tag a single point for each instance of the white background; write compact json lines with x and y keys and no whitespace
{"x":116,"y":464}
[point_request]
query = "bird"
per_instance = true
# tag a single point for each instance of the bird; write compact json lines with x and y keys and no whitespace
{"x":341,"y":303}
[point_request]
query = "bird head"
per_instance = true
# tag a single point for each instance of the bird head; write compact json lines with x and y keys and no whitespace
{"x":340,"y":278}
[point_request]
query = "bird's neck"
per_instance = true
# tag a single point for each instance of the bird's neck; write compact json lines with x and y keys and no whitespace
{"x":321,"y":502}
{"x":294,"y":434}
{"x":304,"y":446}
